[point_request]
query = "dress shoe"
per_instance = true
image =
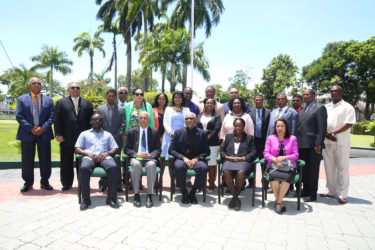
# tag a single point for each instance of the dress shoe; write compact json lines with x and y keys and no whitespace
{"x":326,"y":195}
{"x":85,"y":204}
{"x":26,"y":188}
{"x":112,"y":202}
{"x":149,"y":202}
{"x":231,"y":203}
{"x":343,"y":200}
{"x":237,"y":204}
{"x":310,"y":198}
{"x":278,"y":211}
{"x":102,"y":188}
{"x":46,"y":187}
{"x":185,"y":198}
{"x":137,"y":200}
{"x":192,"y":197}
{"x":141,"y":187}
{"x":66,"y":188}
{"x":189,"y":184}
{"x":283,"y":209}
{"x":120,"y":190}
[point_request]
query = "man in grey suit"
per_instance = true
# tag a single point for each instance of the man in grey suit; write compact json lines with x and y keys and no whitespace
{"x":311,"y":131}
{"x":114,"y":123}
{"x":285,"y":112}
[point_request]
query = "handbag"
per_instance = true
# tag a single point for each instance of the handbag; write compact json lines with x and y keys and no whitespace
{"x":287,"y":166}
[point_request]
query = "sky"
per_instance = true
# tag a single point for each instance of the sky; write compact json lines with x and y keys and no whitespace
{"x":249,"y":35}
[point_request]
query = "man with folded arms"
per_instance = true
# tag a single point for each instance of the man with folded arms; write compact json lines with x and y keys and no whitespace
{"x":143,"y":147}
{"x":97,"y":147}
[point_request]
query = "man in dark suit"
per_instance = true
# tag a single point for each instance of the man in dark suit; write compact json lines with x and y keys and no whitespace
{"x":34,"y":114}
{"x":261,"y":119}
{"x":143,"y":147}
{"x":285,"y":112}
{"x":114,"y":123}
{"x":311,"y":131}
{"x":73,"y":114}
{"x":190,"y":147}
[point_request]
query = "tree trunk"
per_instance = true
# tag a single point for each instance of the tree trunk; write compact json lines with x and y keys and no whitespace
{"x":115,"y":58}
{"x":147,"y":79}
{"x":184,"y":75}
{"x":129,"y":63}
{"x":91,"y":68}
{"x":162,"y":81}
{"x":51,"y":84}
{"x":173,"y":78}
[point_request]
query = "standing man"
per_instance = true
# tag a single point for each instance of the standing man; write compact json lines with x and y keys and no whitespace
{"x":311,"y":130}
{"x":219,"y":108}
{"x":143,"y":147}
{"x":285,"y":112}
{"x":73,"y":114}
{"x":188,"y":93}
{"x":122,"y":96}
{"x":97,"y":148}
{"x":34,"y":113}
{"x":341,"y":116}
{"x":234,"y":93}
{"x":190,"y":147}
{"x":261,"y":119}
{"x":297,"y":102}
{"x":114,"y":123}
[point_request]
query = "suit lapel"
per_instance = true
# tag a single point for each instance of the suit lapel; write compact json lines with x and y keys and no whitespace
{"x":136,"y":139}
{"x":149,"y":139}
{"x":72,"y":105}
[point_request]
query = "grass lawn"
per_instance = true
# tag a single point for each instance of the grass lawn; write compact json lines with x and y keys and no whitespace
{"x":361,"y":140}
{"x":9,"y":151}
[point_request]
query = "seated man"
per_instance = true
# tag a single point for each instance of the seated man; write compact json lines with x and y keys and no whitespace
{"x":190,"y":147}
{"x":143,"y":147}
{"x":96,"y":146}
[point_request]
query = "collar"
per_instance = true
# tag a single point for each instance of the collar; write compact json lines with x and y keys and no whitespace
{"x":337,"y":104}
{"x":94,"y":131}
{"x":33,"y":95}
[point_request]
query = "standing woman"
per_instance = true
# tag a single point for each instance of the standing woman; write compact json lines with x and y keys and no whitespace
{"x":160,"y":103}
{"x":174,"y":118}
{"x":210,"y":122}
{"x":134,"y":108}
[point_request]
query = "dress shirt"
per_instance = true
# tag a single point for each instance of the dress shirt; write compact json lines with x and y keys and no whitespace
{"x":258,"y":129}
{"x":96,"y":142}
{"x":140,"y":139}
{"x":39,"y":100}
{"x":193,"y":108}
{"x":189,"y":149}
{"x":282,"y":111}
{"x":309,"y":106}
{"x":122,"y":104}
{"x":75,"y":103}
{"x":110,"y":112}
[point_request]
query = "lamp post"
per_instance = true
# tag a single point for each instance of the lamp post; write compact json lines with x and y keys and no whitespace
{"x":192,"y":45}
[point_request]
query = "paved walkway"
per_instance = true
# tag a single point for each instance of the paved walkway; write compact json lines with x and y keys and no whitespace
{"x":52,"y":220}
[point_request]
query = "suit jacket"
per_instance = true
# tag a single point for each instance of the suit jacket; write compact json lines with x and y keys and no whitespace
{"x":132,"y":142}
{"x":246,"y":149}
{"x":178,"y":144}
{"x":290,"y":115}
{"x":25,"y":118}
{"x":272,"y":148}
{"x":312,"y":126}
{"x":213,"y":129}
{"x":117,"y":124}
{"x":67,"y":123}
{"x":265,"y":120}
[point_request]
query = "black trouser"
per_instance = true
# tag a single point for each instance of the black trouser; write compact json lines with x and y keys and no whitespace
{"x":310,"y":172}
{"x":66,"y":161}
{"x":200,"y":168}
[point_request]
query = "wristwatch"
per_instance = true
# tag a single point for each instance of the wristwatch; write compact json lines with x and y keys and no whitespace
{"x":333,"y":134}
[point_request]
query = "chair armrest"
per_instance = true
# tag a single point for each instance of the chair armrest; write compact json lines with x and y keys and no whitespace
{"x":263,"y":161}
{"x":78,"y":156}
{"x":301,"y":163}
{"x":256,"y":160}
{"x":207,"y":158}
{"x":162,"y":156}
{"x":171,"y":157}
{"x":117,"y":156}
{"x":125,"y":156}
{"x":218,"y":159}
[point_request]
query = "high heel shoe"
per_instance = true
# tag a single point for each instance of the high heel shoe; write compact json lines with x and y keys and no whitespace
{"x":278,"y":211}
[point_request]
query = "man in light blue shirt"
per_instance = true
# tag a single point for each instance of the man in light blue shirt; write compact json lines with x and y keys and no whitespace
{"x":97,"y":147}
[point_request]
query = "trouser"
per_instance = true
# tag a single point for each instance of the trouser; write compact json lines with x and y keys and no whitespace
{"x":86,"y":169}
{"x":103,"y":180}
{"x":136,"y":174}
{"x":336,"y":164}
{"x":28,"y":160}
{"x":200,"y":178}
{"x":66,"y":167}
{"x":310,"y":172}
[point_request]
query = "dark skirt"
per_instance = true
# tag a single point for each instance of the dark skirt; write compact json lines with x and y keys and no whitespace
{"x":243,"y":166}
{"x":280,"y":176}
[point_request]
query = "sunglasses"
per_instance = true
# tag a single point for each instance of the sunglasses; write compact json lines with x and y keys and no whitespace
{"x":189,"y":118}
{"x":36,"y":83}
{"x":123,"y":93}
{"x":73,"y":88}
{"x":139,"y":94}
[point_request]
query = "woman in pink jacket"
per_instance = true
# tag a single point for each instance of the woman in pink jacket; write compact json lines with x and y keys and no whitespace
{"x":281,"y":149}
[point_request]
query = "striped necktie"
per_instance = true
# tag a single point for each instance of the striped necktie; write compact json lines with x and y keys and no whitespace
{"x":36,"y":111}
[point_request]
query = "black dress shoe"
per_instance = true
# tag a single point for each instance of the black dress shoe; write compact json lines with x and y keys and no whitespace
{"x":237,"y":204}
{"x":141,"y":187}
{"x":137,"y":200}
{"x":192,"y":198}
{"x":66,"y":188}
{"x":185,"y":198}
{"x":112,"y":202}
{"x":26,"y":188}
{"x":85,"y":205}
{"x":120,"y":190}
{"x":102,"y":188}
{"x":231,"y":203}
{"x":46,"y":187}
{"x":149,"y":202}
{"x":310,"y":198}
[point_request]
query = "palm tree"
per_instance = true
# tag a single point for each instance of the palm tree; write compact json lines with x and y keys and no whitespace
{"x":84,"y":42}
{"x":52,"y":59}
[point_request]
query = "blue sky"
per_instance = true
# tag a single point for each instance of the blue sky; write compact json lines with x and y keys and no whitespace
{"x":249,"y":35}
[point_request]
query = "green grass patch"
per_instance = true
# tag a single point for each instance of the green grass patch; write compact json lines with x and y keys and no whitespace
{"x":361,"y":140}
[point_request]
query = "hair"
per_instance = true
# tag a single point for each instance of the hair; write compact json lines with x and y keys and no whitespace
{"x":230,"y":104}
{"x":258,"y":95}
{"x":188,"y":88}
{"x":180,"y":93}
{"x":68,"y":84}
{"x":281,"y":94}
{"x":143,"y":101}
{"x":190,"y":113}
{"x":311,"y":90}
{"x":212,"y":87}
{"x":156,"y":104}
{"x":111,"y":91}
{"x":287,"y":130}
{"x":298,"y":96}
{"x":206,"y":99}
{"x":241,"y":120}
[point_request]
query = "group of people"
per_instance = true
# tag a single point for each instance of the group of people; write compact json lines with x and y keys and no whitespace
{"x":188,"y":132}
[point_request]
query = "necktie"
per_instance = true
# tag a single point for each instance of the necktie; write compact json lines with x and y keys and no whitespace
{"x":75,"y":101}
{"x":110,"y":115}
{"x":36,"y":111}
{"x":259,"y":125}
{"x":143,"y":145}
{"x":278,"y":114}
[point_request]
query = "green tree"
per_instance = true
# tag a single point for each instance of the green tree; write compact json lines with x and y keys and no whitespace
{"x":84,"y":42}
{"x":277,"y":77}
{"x":52,"y":59}
{"x":137,"y":81}
{"x":240,"y":81}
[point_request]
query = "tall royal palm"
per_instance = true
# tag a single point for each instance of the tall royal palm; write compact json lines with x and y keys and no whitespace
{"x":52,"y":59}
{"x":84,"y":42}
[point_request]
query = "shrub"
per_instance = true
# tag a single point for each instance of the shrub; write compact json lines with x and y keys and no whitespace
{"x":360,"y":128}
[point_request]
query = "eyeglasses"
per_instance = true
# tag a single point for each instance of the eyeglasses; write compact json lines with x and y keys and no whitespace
{"x":73,"y":88}
{"x":296,"y":100}
{"x":139,"y":94}
{"x":123,"y":93}
{"x":189,"y":118}
{"x":36,"y":83}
